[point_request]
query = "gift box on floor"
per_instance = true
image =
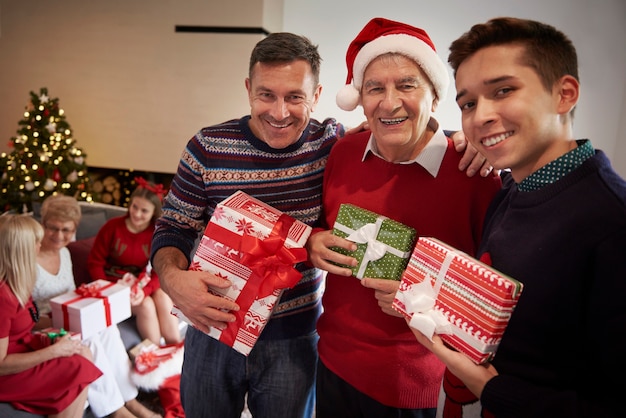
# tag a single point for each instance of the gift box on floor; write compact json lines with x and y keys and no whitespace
{"x":91,"y":307}
{"x":383,"y":245}
{"x":467,"y":303}
{"x":255,"y":246}
{"x":145,"y":345}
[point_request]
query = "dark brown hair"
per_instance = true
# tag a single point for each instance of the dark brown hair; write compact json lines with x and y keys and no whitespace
{"x":548,"y":51}
{"x":285,"y":47}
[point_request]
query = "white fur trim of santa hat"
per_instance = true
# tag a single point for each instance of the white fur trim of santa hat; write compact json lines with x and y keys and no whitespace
{"x":388,"y":37}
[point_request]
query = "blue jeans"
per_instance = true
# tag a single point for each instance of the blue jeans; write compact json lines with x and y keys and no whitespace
{"x":278,"y":377}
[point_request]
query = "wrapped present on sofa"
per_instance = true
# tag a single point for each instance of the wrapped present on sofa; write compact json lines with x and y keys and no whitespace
{"x":91,"y":307}
{"x":383,"y":245}
{"x":467,"y":303}
{"x":255,"y":246}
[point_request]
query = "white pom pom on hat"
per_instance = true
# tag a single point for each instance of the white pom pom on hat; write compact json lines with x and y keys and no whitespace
{"x":381,"y":36}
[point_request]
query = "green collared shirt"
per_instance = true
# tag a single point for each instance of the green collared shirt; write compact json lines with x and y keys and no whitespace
{"x":558,"y":168}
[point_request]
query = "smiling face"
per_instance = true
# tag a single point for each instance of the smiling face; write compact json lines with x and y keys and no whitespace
{"x":140,"y":213}
{"x":282,"y":98}
{"x":508,"y":114}
{"x":398,"y":101}
{"x":57,"y":233}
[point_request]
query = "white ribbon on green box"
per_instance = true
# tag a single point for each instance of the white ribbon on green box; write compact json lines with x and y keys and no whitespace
{"x":367,"y":234}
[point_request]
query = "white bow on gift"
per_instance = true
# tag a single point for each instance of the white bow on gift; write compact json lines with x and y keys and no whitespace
{"x":367,"y":235}
{"x":375,"y":250}
{"x":419,"y":300}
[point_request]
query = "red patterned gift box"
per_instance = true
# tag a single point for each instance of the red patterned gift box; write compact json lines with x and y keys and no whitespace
{"x":255,"y":246}
{"x":445,"y":291}
{"x":91,"y":307}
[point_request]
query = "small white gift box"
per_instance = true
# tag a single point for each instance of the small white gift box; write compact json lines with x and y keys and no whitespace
{"x":91,"y":307}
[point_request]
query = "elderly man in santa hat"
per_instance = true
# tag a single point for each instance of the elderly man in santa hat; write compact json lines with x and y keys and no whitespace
{"x":403,"y":168}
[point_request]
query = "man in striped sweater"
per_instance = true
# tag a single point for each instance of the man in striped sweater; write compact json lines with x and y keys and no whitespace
{"x":276,"y":154}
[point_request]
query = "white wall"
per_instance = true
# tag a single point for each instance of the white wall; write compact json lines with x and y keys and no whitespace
{"x":597,"y":28}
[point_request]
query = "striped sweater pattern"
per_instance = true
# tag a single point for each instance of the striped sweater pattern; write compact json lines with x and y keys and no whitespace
{"x":224,"y":158}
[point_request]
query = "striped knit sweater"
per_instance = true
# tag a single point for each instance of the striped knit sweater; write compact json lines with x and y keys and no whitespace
{"x":224,"y":158}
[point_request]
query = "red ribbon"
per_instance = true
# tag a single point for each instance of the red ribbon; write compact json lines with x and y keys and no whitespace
{"x":157,"y":189}
{"x":271,"y":260}
{"x":271,"y":263}
{"x":150,"y":359}
{"x":88,"y":290}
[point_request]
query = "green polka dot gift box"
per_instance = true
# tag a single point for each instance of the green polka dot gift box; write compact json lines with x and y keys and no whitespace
{"x":384,"y":245}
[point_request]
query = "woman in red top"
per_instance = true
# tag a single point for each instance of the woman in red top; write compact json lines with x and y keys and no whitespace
{"x":50,"y":380}
{"x":121,"y":250}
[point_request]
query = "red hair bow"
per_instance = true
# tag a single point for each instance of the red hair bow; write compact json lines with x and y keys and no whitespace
{"x":157,"y":189}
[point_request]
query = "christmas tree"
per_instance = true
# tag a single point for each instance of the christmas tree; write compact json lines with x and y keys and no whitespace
{"x":44,"y":160}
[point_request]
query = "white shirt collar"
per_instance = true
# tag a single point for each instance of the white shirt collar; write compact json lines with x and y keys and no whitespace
{"x":431,"y":156}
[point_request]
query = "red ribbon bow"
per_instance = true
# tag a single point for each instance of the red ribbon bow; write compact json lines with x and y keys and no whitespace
{"x":271,"y":260}
{"x":157,"y":189}
{"x":89,"y":290}
{"x":150,"y":359}
{"x":272,"y":267}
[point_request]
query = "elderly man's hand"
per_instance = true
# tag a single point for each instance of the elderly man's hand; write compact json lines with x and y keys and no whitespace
{"x":384,"y":292}
{"x":321,"y":255}
{"x":472,"y":161}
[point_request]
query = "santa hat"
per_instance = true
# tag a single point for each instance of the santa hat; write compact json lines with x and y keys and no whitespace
{"x":381,"y":36}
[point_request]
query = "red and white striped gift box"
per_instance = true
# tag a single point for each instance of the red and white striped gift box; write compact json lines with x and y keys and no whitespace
{"x":255,"y":246}
{"x":466,"y":302}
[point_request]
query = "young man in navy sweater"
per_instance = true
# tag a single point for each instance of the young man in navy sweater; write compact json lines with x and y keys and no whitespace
{"x":558,"y":226}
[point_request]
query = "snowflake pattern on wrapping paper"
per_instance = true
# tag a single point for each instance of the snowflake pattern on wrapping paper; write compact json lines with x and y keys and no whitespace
{"x":261,"y":212}
{"x":245,"y":227}
{"x":195,"y":266}
{"x":219,"y":213}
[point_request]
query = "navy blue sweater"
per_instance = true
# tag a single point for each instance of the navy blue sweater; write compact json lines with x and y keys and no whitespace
{"x":563,"y":353}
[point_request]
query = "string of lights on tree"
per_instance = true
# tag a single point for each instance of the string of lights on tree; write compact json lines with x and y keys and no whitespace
{"x":45,"y":159}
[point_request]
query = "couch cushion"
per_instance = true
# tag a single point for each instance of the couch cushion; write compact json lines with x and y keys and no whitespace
{"x":94,"y":215}
{"x":79,"y":251}
{"x":90,"y":224}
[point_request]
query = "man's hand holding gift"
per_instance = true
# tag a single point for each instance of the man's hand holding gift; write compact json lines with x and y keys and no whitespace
{"x":321,"y":254}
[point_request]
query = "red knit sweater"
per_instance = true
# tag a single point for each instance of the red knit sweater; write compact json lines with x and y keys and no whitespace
{"x":375,"y":352}
{"x":117,"y":248}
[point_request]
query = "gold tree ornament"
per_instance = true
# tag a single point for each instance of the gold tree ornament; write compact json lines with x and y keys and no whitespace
{"x":45,"y":159}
